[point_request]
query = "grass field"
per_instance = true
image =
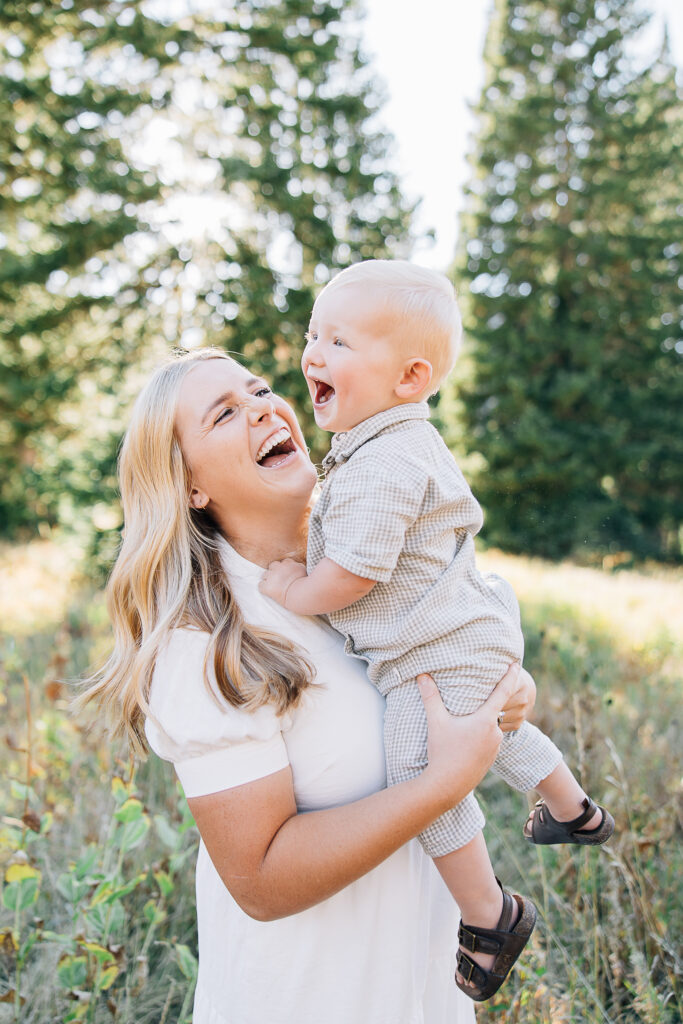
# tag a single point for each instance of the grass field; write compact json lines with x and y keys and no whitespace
{"x":98,"y":906}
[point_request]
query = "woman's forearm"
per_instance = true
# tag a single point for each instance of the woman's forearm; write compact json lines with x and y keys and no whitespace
{"x":315,"y":855}
{"x":277,"y":862}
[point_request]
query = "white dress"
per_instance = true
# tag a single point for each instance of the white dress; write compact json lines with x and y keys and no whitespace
{"x":381,"y":951}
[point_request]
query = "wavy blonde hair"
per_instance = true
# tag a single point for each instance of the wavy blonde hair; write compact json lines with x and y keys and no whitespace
{"x":169,"y":574}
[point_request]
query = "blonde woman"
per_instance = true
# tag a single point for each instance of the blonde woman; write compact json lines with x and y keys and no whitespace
{"x":314,"y":903}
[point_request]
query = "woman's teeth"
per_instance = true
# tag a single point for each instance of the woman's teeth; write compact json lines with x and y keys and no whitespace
{"x":279,"y":437}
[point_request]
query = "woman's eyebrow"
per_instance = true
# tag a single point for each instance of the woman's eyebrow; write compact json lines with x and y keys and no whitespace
{"x":228,"y":396}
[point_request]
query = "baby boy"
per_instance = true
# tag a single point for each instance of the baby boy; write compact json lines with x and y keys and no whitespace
{"x":391,"y":563}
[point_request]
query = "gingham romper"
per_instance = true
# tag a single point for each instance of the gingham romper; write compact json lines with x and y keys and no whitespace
{"x":396,"y":509}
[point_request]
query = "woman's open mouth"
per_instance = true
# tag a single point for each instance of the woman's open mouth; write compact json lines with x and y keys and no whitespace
{"x":276,"y":449}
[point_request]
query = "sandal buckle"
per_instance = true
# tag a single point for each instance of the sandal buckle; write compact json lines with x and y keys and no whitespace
{"x":470,"y":972}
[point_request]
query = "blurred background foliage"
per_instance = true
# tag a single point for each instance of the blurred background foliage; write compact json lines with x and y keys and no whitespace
{"x":570,"y":259}
{"x":175,"y":174}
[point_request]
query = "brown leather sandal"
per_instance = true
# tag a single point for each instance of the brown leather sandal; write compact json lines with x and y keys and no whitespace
{"x":507,"y":943}
{"x":544,"y":830}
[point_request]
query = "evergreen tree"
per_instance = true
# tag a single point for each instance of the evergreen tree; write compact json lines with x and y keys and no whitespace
{"x":120,"y":123}
{"x":286,"y":107}
{"x":572,"y":255}
{"x":72,"y":315}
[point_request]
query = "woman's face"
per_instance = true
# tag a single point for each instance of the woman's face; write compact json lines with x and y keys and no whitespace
{"x":242,"y":444}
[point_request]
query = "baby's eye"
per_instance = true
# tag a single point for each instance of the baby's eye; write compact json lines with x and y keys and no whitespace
{"x":338,"y":341}
{"x":310,"y":336}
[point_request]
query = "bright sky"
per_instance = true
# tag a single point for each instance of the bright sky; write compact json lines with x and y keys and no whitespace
{"x":429,"y":56}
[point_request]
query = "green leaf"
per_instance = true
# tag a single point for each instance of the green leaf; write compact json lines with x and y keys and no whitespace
{"x":109,"y":891}
{"x":132,"y":833}
{"x":19,"y":895}
{"x":27,"y":945}
{"x":107,"y":978}
{"x":165,"y":882}
{"x":86,"y":862}
{"x":119,"y":790}
{"x":78,"y":1013}
{"x":169,"y":836}
{"x":101,"y":953}
{"x":106,"y":917}
{"x":72,"y":971}
{"x":153,"y":913}
{"x":71,"y":888}
{"x":187,"y":962}
{"x":131,"y":810}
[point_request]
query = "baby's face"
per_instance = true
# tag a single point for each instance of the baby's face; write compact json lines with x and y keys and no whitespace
{"x":350,"y":363}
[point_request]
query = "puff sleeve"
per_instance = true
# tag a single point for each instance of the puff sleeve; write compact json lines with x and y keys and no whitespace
{"x":213,"y":745}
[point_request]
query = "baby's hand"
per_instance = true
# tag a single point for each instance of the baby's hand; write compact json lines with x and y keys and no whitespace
{"x":279,"y":577}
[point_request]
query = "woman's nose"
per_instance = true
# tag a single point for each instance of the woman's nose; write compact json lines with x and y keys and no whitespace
{"x":260,"y":406}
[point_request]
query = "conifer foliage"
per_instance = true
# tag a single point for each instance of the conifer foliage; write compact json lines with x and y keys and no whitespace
{"x":119,"y":120}
{"x":572,"y":258}
{"x":73,"y":76}
{"x":285,"y":129}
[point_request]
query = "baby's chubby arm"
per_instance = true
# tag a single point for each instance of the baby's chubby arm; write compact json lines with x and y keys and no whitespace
{"x":327,"y":589}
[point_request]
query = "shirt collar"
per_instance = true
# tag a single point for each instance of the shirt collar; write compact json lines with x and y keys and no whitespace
{"x":343,"y":445}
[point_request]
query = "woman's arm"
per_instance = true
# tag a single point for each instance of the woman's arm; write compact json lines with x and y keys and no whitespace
{"x":276,"y":862}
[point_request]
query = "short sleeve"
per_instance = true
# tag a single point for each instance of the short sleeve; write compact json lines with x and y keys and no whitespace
{"x":212,"y":745}
{"x":375,"y":497}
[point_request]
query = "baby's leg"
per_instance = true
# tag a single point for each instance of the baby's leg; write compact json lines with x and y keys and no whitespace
{"x":405,"y":746}
{"x":469,"y":875}
{"x":529,"y":760}
{"x":454,"y":840}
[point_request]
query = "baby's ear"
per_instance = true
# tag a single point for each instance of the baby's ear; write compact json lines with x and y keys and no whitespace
{"x":414,"y":380}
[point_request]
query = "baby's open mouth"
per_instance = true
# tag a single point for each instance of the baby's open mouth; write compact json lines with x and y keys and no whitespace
{"x":275,"y":449}
{"x":323,"y":392}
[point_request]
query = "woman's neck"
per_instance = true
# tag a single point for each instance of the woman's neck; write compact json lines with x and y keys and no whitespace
{"x":263,"y":540}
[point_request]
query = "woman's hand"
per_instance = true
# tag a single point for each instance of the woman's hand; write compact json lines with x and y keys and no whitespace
{"x":462,"y":748}
{"x":521,"y":701}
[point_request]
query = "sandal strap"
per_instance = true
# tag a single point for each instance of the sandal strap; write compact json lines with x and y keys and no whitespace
{"x":544,"y":830}
{"x":571,"y":826}
{"x":471,"y":938}
{"x":472,"y":973}
{"x":506,"y":945}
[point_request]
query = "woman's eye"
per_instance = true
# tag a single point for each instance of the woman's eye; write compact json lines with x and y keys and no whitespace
{"x":224,"y":414}
{"x":263,"y":391}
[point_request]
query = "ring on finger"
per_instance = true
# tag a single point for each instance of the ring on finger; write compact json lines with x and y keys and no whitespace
{"x":501,"y":716}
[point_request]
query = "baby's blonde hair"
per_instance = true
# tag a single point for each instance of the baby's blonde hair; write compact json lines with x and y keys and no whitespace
{"x":424,"y":303}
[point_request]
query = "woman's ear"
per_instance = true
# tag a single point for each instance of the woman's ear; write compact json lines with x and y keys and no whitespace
{"x":198,"y":499}
{"x":415,"y":379}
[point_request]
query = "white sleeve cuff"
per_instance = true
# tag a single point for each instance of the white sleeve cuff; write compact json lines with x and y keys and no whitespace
{"x":232,"y":765}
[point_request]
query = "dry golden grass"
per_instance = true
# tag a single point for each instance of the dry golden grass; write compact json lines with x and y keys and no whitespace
{"x":606,"y":650}
{"x":634,"y":606}
{"x":36,"y":585}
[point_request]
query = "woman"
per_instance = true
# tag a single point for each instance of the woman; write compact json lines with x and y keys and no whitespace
{"x":313,"y":906}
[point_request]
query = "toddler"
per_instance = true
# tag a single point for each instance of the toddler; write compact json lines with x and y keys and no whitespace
{"x":391,"y":563}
